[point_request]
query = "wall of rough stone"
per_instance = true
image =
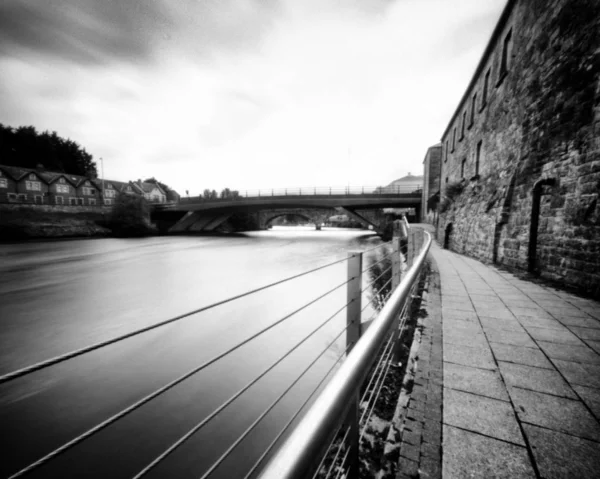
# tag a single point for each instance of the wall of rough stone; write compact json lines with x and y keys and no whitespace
{"x":541,"y":120}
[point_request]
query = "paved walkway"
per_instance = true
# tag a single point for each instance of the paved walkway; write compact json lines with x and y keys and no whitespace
{"x":518,"y":394}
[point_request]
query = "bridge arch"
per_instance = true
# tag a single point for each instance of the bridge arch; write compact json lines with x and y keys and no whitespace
{"x":316,"y":217}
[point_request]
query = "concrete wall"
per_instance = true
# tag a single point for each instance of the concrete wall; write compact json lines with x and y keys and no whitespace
{"x":541,"y":120}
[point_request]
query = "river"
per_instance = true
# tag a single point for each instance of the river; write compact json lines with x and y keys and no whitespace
{"x":57,"y":296}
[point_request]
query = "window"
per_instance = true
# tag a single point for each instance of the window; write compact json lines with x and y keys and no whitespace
{"x":61,"y":180}
{"x":32,"y":176}
{"x":454,"y":139}
{"x":110,"y":193}
{"x":33,"y":185}
{"x":12,"y":197}
{"x":62,"y":188}
{"x":80,"y":201}
{"x":38,"y":199}
{"x":110,"y":187}
{"x":72,"y":201}
{"x":22,"y":197}
{"x":462,"y":167}
{"x":478,"y":157}
{"x":486,"y":85}
{"x":88,"y":191}
{"x":3,"y":183}
{"x":59,"y":200}
{"x":506,"y":56}
{"x":92,"y":201}
{"x":446,"y":157}
{"x":446,"y":179}
{"x":87,"y":183}
{"x":107,"y":201}
{"x":473,"y":106}
{"x":464,"y":123}
{"x":129,"y":188}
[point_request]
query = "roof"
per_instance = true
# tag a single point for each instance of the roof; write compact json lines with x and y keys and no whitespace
{"x":408,"y":180}
{"x":16,"y":173}
{"x":148,"y":187}
{"x":483,"y":61}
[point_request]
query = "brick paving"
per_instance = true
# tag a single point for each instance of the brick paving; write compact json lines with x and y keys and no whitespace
{"x":507,"y":380}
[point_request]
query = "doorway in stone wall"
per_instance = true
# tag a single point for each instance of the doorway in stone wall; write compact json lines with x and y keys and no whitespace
{"x":448,"y":235}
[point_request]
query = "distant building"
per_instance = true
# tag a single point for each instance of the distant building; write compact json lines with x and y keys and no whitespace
{"x":431,"y":184}
{"x":520,"y":172}
{"x":151,"y":191}
{"x":407,"y":184}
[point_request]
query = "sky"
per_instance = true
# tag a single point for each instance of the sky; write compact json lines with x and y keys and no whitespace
{"x":243,"y":94}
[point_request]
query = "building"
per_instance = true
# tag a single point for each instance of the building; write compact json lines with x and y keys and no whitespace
{"x":151,"y":191}
{"x":431,"y":184}
{"x":22,"y":185}
{"x":520,"y":169}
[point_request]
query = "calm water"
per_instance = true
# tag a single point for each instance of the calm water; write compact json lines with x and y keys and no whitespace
{"x":59,"y":296}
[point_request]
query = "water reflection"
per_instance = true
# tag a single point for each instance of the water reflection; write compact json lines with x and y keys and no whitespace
{"x":59,"y":296}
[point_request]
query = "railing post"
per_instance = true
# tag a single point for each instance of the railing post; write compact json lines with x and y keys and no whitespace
{"x":396,"y":262}
{"x":411,"y":248}
{"x":353,"y":331}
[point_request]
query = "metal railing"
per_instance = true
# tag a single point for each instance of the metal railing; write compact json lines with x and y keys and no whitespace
{"x":338,"y":403}
{"x":233,"y":195}
{"x":327,"y":414}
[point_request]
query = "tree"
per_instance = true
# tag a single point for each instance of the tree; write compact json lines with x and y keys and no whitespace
{"x":130,"y":216}
{"x":26,"y":148}
{"x":166,"y":188}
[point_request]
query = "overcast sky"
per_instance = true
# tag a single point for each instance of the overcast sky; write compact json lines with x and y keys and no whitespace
{"x":243,"y":93}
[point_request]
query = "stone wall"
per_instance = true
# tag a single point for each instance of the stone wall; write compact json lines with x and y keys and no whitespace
{"x":541,"y":122}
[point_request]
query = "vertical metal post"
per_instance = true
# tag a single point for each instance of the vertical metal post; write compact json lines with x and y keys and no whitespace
{"x":353,"y":317}
{"x":396,"y":262}
{"x":411,"y":248}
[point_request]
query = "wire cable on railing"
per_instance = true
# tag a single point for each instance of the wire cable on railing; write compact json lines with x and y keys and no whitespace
{"x":64,"y":357}
{"x":376,"y":247}
{"x":208,"y":418}
{"x":342,"y":468}
{"x":250,"y":428}
{"x":165,"y":388}
{"x":375,"y":280}
{"x":339,"y":449}
{"x":297,"y":413}
{"x":383,"y":378}
{"x":372,"y":265}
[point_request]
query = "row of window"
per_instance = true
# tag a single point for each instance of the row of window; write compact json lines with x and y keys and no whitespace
{"x":58,"y":200}
{"x":505,"y":64}
{"x":478,"y":157}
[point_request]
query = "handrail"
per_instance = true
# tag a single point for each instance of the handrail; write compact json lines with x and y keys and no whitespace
{"x":295,"y":458}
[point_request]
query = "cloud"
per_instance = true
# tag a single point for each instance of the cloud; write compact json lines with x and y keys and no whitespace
{"x":245,"y":93}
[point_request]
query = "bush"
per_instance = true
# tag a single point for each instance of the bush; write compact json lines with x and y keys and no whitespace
{"x":130,"y":216}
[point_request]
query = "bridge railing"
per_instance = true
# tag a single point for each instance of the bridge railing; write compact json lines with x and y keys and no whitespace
{"x":309,"y":447}
{"x":306,"y":191}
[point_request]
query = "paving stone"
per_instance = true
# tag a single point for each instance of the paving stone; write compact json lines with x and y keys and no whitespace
{"x":563,"y":336}
{"x":591,"y":397}
{"x":529,"y":321}
{"x":557,"y":413}
{"x":585,"y":374}
{"x":560,"y":455}
{"x":467,"y":454}
{"x":535,"y":312}
{"x":538,"y":379}
{"x":520,"y":355}
{"x":558,"y":310}
{"x":465,"y":327}
{"x":586,"y":333}
{"x":472,"y":340}
{"x":570,"y":352}
{"x":474,"y":380}
{"x":595,"y":345}
{"x":407,"y":468}
{"x":448,"y":313}
{"x":467,"y":356}
{"x":510,"y":337}
{"x":458,"y":305}
{"x":581,"y":322}
{"x":481,"y":414}
{"x":500,"y":323}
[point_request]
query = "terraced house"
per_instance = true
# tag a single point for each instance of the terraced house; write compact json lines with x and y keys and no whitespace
{"x":520,"y":169}
{"x":20,"y":185}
